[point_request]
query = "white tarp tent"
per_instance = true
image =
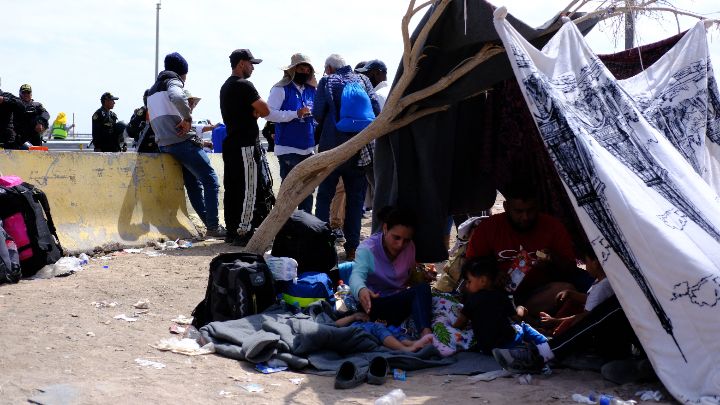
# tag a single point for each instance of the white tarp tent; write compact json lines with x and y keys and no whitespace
{"x":652,"y":219}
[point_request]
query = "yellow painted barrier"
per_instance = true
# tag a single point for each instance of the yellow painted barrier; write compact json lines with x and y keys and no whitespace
{"x":97,"y":199}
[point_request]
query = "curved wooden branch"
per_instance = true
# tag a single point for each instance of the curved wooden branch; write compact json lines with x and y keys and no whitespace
{"x":487,"y":51}
{"x":413,"y":52}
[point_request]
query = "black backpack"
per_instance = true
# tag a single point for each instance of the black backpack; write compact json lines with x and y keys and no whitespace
{"x":9,"y":261}
{"x":240,"y":284}
{"x":309,"y":241}
{"x":25,"y":213}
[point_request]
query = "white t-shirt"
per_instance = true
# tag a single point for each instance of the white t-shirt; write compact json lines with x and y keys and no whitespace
{"x":598,"y":293}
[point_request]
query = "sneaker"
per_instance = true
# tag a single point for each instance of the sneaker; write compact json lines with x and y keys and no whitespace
{"x":242,"y":240}
{"x":339,"y":236}
{"x":520,"y":360}
{"x":217,"y":232}
{"x":378,"y":371}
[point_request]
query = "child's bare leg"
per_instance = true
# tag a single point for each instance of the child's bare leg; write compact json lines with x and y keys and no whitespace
{"x":391,"y":342}
{"x":420,"y":343}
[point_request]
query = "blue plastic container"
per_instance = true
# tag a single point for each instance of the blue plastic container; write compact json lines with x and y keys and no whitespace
{"x":218,"y":136}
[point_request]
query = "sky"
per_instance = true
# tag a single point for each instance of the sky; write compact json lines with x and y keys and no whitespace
{"x":72,"y":52}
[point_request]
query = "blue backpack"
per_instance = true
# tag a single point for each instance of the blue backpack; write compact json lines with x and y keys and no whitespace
{"x":356,"y":112}
{"x":308,"y":288}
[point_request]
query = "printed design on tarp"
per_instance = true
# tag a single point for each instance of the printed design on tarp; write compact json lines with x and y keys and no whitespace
{"x":704,"y":293}
{"x":686,"y":111}
{"x":604,"y":247}
{"x":713,"y":117}
{"x":606,"y":120}
{"x":679,"y":111}
{"x":674,"y":219}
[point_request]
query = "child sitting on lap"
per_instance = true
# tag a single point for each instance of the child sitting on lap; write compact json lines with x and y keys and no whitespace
{"x":495,"y":320}
{"x":391,"y":337}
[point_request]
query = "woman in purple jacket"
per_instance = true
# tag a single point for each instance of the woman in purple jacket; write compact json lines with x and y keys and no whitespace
{"x":381,"y":273}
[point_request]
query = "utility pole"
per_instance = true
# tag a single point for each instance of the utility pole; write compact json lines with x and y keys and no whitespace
{"x":629,"y":26}
{"x":157,"y":38}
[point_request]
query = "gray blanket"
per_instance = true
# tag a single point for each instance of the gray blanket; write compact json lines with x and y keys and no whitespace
{"x":311,"y":342}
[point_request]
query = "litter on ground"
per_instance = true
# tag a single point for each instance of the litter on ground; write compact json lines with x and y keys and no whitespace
{"x":182,"y":320}
{"x":188,"y":347}
{"x":124,"y":317}
{"x":149,"y":363}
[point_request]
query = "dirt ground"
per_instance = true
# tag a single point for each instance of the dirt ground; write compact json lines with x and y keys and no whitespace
{"x":55,"y":337}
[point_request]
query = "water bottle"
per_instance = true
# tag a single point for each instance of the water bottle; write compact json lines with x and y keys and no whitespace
{"x":343,"y":293}
{"x":84,"y":259}
{"x":603,"y":399}
{"x":343,"y":289}
{"x":394,"y":397}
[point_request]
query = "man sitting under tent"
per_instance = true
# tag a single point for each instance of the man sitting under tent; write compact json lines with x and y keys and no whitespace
{"x":534,"y":248}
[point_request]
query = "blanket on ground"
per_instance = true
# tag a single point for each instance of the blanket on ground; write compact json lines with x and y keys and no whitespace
{"x":311,"y":342}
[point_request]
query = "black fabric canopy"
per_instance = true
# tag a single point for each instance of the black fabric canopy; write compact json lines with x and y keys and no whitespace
{"x":454,"y":161}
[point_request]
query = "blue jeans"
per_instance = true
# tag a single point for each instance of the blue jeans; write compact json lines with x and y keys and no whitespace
{"x":353,"y":178}
{"x":201,"y":182}
{"x":415,"y":302}
{"x":381,"y":332}
{"x":287,"y":162}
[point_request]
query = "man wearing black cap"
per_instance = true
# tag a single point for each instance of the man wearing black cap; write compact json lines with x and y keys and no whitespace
{"x":107,"y":134}
{"x":30,"y":119}
{"x":376,"y":71}
{"x":170,"y":120}
{"x":248,"y":185}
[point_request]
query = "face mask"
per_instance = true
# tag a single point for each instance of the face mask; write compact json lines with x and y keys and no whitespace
{"x":301,"y":78}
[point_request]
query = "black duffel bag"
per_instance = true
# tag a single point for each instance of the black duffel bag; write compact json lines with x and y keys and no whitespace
{"x":309,"y":241}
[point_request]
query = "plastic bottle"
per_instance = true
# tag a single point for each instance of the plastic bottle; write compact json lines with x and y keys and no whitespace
{"x":84,"y":259}
{"x":603,"y":399}
{"x":580,"y":398}
{"x":394,"y":397}
{"x":343,"y":293}
{"x":342,"y":288}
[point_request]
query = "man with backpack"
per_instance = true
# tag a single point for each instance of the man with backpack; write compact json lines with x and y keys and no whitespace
{"x":345,"y":103}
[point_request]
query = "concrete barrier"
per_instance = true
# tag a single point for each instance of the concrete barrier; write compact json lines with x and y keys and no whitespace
{"x":98,"y":199}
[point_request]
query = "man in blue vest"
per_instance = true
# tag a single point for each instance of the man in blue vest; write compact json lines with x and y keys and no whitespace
{"x":290,"y":101}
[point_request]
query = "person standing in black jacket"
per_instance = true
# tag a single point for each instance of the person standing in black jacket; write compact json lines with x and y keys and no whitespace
{"x":8,"y":104}
{"x":107,"y":132}
{"x":30,"y":119}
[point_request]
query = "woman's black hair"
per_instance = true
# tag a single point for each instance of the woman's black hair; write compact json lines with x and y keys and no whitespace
{"x":391,"y":216}
{"x":481,"y":266}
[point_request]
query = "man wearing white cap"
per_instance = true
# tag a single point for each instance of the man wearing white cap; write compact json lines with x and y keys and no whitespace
{"x":290,"y":101}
